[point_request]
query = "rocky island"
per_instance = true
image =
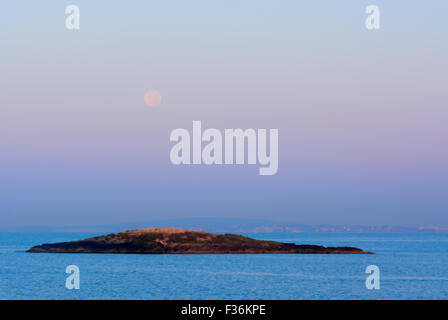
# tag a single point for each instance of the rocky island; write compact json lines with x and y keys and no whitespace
{"x":178,"y":241}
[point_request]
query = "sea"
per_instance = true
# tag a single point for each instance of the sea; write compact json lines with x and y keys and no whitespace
{"x":411,"y":266}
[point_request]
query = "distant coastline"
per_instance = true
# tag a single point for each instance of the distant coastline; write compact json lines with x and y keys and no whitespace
{"x":232,"y":225}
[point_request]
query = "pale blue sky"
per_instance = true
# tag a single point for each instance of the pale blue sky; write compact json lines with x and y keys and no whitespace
{"x":362,"y":115}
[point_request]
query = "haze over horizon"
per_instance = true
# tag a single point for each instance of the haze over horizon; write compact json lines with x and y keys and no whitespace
{"x":225,"y":224}
{"x":362,"y":116}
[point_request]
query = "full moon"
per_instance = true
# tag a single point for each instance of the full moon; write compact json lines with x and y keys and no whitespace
{"x":153,"y":98}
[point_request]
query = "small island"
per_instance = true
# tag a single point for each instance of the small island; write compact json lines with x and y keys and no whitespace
{"x":178,"y":241}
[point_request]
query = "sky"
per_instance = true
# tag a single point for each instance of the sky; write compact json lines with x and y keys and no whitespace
{"x":362,"y":114}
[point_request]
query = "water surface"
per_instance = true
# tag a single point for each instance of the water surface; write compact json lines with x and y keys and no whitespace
{"x":413,"y":266}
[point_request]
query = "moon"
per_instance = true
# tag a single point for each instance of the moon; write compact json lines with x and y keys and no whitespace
{"x":153,"y":98}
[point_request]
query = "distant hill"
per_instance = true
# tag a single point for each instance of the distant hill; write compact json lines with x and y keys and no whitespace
{"x":233,"y":225}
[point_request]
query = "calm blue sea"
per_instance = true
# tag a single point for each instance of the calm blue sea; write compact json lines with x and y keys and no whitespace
{"x":413,"y":266}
